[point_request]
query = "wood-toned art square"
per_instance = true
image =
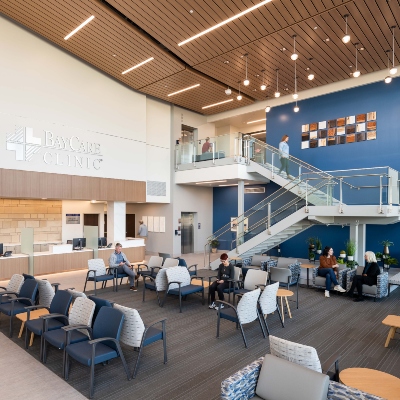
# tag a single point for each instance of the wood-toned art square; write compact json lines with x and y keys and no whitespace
{"x":371,"y":125}
{"x":321,"y":142}
{"x":304,"y":128}
{"x":350,"y":120}
{"x":371,"y":135}
{"x":360,"y":118}
{"x":350,"y":129}
{"x":341,"y":130}
{"x":314,"y":126}
{"x":332,"y":123}
{"x":331,"y":131}
{"x":351,"y":138}
{"x":313,"y":135}
{"x":371,"y":116}
{"x":305,"y":145}
{"x":313,"y":144}
{"x":322,"y":125}
{"x":305,"y":136}
{"x":341,"y":122}
{"x":360,"y":127}
{"x":331,"y":141}
{"x":322,"y":134}
{"x":341,"y":139}
{"x":360,"y":137}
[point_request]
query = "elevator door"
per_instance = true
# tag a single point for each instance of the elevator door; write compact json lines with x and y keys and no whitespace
{"x":187,"y":232}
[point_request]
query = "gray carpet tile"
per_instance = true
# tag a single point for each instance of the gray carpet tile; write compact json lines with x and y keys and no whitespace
{"x":198,"y":362}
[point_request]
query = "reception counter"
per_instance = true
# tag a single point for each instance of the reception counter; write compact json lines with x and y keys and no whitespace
{"x":52,"y":262}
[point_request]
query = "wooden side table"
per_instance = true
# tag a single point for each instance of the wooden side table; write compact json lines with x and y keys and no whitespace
{"x":35,"y":314}
{"x":284,"y":293}
{"x":308,"y":266}
{"x":372,"y":381}
{"x":394,"y":322}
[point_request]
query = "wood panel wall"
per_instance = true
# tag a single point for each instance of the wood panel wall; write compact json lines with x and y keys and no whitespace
{"x":39,"y":185}
{"x":13,"y":265}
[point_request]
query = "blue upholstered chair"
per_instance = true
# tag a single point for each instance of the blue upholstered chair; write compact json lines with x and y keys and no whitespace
{"x":25,"y":297}
{"x":99,"y":302}
{"x":137,"y":335}
{"x":14,"y":286}
{"x":98,"y":273}
{"x":179,"y":284}
{"x":159,"y":283}
{"x":182,"y":263}
{"x":102,"y":346}
{"x":245,"y":312}
{"x":56,"y":318}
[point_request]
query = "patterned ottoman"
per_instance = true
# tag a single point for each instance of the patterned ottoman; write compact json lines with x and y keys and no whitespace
{"x":394,"y":280}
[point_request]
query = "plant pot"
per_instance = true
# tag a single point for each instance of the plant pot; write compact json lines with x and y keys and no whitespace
{"x":378,"y":259}
{"x":213,"y":249}
{"x":342,"y":255}
{"x":319,"y":251}
{"x":350,"y":258}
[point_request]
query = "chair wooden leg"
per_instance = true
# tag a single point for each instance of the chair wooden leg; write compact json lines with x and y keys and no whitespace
{"x":288,"y":308}
{"x":392,"y":331}
{"x":22,"y":329}
{"x":31,"y":341}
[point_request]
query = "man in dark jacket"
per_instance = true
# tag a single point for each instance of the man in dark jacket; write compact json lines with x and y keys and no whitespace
{"x":369,"y":276}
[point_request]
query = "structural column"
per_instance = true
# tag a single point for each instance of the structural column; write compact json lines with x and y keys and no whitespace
{"x":240,"y":225}
{"x":116,"y":221}
{"x":358,"y":234}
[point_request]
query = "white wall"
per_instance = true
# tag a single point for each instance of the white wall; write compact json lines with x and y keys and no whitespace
{"x":70,"y":231}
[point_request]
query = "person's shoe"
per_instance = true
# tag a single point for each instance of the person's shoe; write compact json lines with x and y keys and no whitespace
{"x":327,"y":293}
{"x":133,"y":288}
{"x":358,"y":299}
{"x":290,"y":177}
{"x":212,"y":306}
{"x":219,"y":306}
{"x":339,"y":289}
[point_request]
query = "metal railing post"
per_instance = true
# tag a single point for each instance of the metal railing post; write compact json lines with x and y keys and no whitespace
{"x":380,"y":195}
{"x":176,"y":157}
{"x":213,"y":147}
{"x":306,"y":209}
{"x":390,"y":199}
{"x":234,"y":146}
{"x":194,"y":154}
{"x":272,"y":165}
{"x":269,"y":219}
{"x":340,"y":196}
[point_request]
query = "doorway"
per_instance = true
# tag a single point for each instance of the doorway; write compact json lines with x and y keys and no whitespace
{"x":130,"y":225}
{"x":91,"y":220}
{"x":187,"y":233}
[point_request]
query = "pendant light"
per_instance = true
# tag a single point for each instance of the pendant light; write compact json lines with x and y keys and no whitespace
{"x":296,"y":108}
{"x":393,"y":70}
{"x":388,"y":79}
{"x":356,"y":73}
{"x":346,"y":37}
{"x":246,"y":82}
{"x":263,"y":85}
{"x":311,"y":75}
{"x":295,"y":95}
{"x":228,"y":91}
{"x":294,"y":56}
{"x":277,"y":93}
{"x":268,"y":109}
{"x":239,"y":96}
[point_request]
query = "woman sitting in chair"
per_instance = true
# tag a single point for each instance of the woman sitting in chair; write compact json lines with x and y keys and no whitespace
{"x":369,"y":276}
{"x":327,"y":268}
{"x":226,"y":271}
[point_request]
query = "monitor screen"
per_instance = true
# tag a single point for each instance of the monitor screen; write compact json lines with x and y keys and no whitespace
{"x":78,"y":243}
{"x":102,"y":242}
{"x":1,"y":248}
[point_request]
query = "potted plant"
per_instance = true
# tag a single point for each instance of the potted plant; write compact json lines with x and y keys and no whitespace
{"x":351,"y":249}
{"x":340,"y":261}
{"x":386,"y":244}
{"x":352,"y":264}
{"x":318,"y":244}
{"x":311,"y":242}
{"x":214,"y":245}
{"x":311,"y":256}
{"x":342,"y":254}
{"x":389,"y":261}
{"x":378,"y":256}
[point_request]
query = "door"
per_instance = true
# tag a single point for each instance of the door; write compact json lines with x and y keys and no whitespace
{"x":91,"y":220}
{"x":187,"y":233}
{"x":130,"y":225}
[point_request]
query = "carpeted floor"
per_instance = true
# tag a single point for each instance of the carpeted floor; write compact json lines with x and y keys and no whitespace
{"x":198,"y":362}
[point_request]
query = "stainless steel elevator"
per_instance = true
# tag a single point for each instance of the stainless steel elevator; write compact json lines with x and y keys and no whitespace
{"x":187,"y":233}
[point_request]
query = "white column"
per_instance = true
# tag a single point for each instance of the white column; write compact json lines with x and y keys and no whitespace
{"x":116,"y":221}
{"x":240,"y":226}
{"x":358,"y":234}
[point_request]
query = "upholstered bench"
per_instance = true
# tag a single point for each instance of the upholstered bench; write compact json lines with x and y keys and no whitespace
{"x":245,"y":384}
{"x":393,"y":280}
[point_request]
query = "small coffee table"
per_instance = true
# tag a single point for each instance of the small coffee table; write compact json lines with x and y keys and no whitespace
{"x":308,"y":266}
{"x":284,"y":293}
{"x":35,"y":314}
{"x":394,"y":322}
{"x":372,"y":381}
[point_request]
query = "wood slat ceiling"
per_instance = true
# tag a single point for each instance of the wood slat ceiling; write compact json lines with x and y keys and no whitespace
{"x":113,"y":44}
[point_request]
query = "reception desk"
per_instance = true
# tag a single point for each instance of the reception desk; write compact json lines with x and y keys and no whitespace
{"x":50,"y":263}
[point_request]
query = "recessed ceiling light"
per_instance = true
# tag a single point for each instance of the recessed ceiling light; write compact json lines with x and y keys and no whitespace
{"x":184,"y":90}
{"x":138,"y":65}
{"x":191,"y":11}
{"x":283,"y":49}
{"x":217,"y":104}
{"x":226,"y":62}
{"x":315,"y":28}
{"x":225,"y":22}
{"x":79,"y":27}
{"x":362,"y":48}
{"x":326,"y":40}
{"x":258,"y":120}
{"x":201,"y":183}
{"x":114,"y":55}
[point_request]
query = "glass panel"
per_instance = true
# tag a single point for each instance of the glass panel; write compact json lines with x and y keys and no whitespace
{"x":27,"y":247}
{"x":91,"y":233}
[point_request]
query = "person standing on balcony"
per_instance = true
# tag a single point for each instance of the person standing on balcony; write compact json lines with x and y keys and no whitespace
{"x":206,"y":146}
{"x":284,"y":156}
{"x":327,"y":267}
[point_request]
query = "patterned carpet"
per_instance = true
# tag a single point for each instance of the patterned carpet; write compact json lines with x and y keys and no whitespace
{"x":198,"y":362}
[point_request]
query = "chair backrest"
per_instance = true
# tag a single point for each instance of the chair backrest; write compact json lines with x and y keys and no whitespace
{"x":75,"y":294}
{"x":99,"y":303}
{"x":178,"y":274}
{"x":98,"y":265}
{"x":267,"y":299}
{"x":15,"y":283}
{"x":61,"y":302}
{"x":182,"y":262}
{"x":283,"y":262}
{"x":360,"y":270}
{"x":298,"y":353}
{"x":238,"y":272}
{"x":27,"y":276}
{"x":82,"y":312}
{"x":155,"y":261}
{"x":282,"y":275}
{"x":161,"y":280}
{"x":247,"y":306}
{"x":108,"y":324}
{"x":255,"y":277}
{"x":170,"y":262}
{"x":28,"y":289}
{"x":46,"y":292}
{"x":133,"y":327}
{"x":164,"y":255}
{"x":258,"y":260}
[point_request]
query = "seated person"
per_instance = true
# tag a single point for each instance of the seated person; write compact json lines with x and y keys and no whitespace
{"x":327,"y":268}
{"x":369,"y":276}
{"x":225,"y":271}
{"x":118,"y":260}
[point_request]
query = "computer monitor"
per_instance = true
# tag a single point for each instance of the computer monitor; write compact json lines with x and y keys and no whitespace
{"x":78,"y":243}
{"x":102,"y":241}
{"x":1,"y":248}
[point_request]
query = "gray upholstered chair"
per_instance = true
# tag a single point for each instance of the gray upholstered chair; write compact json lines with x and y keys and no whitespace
{"x":159,"y":283}
{"x":268,"y":304}
{"x":170,"y":262}
{"x":376,"y":291}
{"x":284,"y":277}
{"x":14,"y":285}
{"x":319,"y":281}
{"x":253,"y":279}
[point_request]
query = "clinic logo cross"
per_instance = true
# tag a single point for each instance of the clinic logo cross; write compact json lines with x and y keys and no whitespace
{"x":23,"y":143}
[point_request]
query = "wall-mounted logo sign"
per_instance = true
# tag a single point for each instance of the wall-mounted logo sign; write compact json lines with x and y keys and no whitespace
{"x":56,"y":150}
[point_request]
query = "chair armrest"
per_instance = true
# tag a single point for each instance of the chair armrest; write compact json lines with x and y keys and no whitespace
{"x":46,"y":317}
{"x":259,"y":285}
{"x":105,"y":339}
{"x":2,"y":287}
{"x":153,"y":268}
{"x":154,"y":323}
{"x":179,"y":283}
{"x":226,"y":304}
{"x":8,"y":292}
{"x":56,"y":285}
{"x":327,"y":365}
{"x":69,"y":328}
{"x":21,"y":298}
{"x":195,"y":267}
{"x":31,"y":308}
{"x":138,"y":266}
{"x":197,"y":277}
{"x":210,"y":277}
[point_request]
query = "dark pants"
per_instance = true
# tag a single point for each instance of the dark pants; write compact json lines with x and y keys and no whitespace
{"x":330,"y":277}
{"x":219,"y":287}
{"x":284,"y":165}
{"x":358,"y":281}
